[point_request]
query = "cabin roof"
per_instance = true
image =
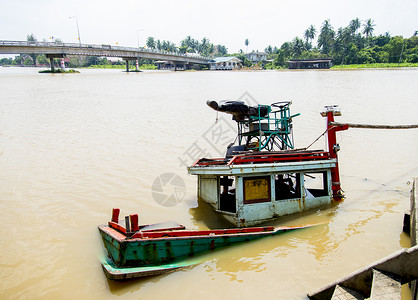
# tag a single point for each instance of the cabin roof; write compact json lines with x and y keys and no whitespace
{"x":251,"y":169}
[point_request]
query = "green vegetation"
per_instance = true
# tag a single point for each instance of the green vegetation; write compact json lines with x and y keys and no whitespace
{"x":354,"y":46}
{"x":348,"y":46}
{"x":188,"y":45}
{"x":376,"y":65}
{"x":59,"y":71}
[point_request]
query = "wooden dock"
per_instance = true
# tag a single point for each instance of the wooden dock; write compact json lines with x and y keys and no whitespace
{"x":383,"y":278}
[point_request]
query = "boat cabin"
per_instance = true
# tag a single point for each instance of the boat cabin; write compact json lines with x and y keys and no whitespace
{"x":247,"y":194}
{"x":264,"y":177}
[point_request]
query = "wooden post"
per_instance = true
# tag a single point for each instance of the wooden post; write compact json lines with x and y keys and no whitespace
{"x":134,"y":222}
{"x":115,"y":215}
{"x":127,"y":224}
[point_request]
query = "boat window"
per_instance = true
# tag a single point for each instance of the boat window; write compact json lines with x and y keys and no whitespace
{"x":287,"y":186}
{"x":227,"y":198}
{"x":257,"y":189}
{"x":316,"y":185}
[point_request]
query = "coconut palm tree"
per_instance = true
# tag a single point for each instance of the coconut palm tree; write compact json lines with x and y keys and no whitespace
{"x":310,"y":33}
{"x":247,"y":42}
{"x":297,"y":47}
{"x":368,"y":28}
{"x":326,"y":37}
{"x":355,"y":25}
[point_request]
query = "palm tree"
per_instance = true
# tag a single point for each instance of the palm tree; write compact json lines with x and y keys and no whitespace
{"x":269,"y":49}
{"x":326,"y":37}
{"x":354,"y":25}
{"x":368,"y":28}
{"x":307,"y":35}
{"x":310,"y":33}
{"x":247,"y":42}
{"x":150,"y":42}
{"x":297,"y":47}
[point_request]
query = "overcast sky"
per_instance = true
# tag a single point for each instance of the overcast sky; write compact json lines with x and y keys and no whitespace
{"x":263,"y":22}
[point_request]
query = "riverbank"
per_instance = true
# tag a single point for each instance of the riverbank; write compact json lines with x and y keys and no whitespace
{"x":376,"y":66}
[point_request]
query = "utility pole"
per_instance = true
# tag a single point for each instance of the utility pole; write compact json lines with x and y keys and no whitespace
{"x":79,"y":39}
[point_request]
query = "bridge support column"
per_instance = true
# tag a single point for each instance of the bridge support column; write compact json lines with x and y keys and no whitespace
{"x":51,"y":62}
{"x":136,"y":65}
{"x":127,"y":65}
{"x":62,"y":64}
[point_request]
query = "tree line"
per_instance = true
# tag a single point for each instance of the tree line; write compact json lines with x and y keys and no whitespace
{"x":189,"y":45}
{"x":354,"y":44}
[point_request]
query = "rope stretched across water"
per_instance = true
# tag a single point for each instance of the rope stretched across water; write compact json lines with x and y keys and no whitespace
{"x":368,"y":126}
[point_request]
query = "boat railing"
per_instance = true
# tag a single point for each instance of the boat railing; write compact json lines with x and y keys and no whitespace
{"x":268,"y":157}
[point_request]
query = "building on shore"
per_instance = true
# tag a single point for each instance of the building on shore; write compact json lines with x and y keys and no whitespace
{"x":310,"y":64}
{"x":256,"y":56}
{"x":225,"y":63}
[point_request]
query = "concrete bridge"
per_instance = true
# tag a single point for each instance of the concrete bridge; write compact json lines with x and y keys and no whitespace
{"x":61,"y":50}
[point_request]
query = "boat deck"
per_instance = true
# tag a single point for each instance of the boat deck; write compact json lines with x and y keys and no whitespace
{"x":265,"y":157}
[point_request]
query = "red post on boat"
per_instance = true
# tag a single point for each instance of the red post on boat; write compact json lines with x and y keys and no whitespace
{"x":115,"y":215}
{"x":134,"y":222}
{"x":333,"y":148}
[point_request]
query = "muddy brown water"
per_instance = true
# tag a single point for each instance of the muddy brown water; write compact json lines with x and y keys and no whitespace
{"x":74,"y":146}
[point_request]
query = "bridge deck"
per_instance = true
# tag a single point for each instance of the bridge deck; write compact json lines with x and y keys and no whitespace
{"x":22,"y":47}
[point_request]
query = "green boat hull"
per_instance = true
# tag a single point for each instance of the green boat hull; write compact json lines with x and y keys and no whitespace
{"x":142,"y":252}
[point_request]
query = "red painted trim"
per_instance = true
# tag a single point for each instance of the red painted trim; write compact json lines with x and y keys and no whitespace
{"x":332,"y":141}
{"x":266,"y":158}
{"x":134,"y":222}
{"x":288,"y":157}
{"x":117,"y":227}
{"x":115,"y":215}
{"x":186,"y":233}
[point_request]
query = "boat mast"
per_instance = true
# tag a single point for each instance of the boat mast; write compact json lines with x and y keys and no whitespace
{"x":333,"y":148}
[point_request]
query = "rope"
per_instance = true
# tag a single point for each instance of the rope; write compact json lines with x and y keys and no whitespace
{"x":367,"y":126}
{"x":318,"y":138}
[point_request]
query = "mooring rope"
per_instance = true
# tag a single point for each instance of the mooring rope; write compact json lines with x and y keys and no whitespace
{"x":326,"y":130}
{"x":368,"y":126}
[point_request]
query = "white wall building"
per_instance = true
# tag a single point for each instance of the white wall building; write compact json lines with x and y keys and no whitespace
{"x":225,"y":63}
{"x":256,"y":56}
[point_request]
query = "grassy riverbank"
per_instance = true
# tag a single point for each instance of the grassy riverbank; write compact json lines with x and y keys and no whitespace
{"x":59,"y":71}
{"x":374,"y":66}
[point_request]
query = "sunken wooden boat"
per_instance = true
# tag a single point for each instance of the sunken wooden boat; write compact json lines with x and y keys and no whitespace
{"x":137,"y":251}
{"x":263,"y":177}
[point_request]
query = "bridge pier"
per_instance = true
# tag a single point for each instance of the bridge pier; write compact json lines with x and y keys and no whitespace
{"x":127,"y":65}
{"x":51,"y":60}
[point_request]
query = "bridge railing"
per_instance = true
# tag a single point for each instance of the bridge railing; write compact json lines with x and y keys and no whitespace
{"x":92,"y":46}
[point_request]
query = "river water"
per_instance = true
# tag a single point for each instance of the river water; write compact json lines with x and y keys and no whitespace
{"x":74,"y":146}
